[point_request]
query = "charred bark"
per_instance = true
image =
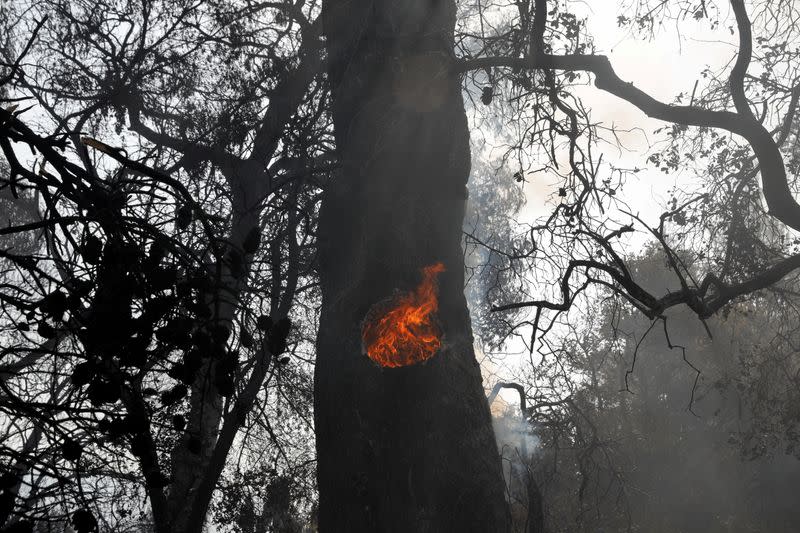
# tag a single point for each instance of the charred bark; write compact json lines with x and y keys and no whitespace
{"x":411,"y":448}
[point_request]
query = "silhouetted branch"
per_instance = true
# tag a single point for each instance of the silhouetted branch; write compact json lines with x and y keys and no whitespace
{"x":777,"y":193}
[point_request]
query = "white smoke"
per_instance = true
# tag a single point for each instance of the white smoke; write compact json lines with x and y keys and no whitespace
{"x":516,"y":437}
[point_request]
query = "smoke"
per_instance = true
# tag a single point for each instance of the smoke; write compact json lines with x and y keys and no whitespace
{"x":516,"y":437}
{"x":519,"y":448}
{"x":489,"y":232}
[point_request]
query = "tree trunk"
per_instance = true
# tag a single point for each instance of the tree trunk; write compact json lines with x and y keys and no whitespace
{"x":407,"y":449}
{"x":191,"y":468}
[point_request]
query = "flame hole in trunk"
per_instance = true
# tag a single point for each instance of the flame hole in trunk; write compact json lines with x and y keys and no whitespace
{"x":402,"y":330}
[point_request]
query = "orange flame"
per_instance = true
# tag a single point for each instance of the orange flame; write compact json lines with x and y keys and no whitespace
{"x":400,"y":331}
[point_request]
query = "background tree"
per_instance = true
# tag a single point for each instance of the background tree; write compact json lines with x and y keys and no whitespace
{"x":164,"y":280}
{"x":651,"y":437}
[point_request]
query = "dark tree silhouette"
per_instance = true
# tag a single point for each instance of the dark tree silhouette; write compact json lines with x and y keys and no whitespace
{"x":410,"y":448}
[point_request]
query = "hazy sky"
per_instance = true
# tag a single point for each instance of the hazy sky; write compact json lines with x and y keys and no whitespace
{"x":663,"y":67}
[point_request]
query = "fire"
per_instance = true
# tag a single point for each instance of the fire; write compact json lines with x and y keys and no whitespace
{"x":401,"y":330}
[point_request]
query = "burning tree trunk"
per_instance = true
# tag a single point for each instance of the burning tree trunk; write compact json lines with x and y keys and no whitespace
{"x":405,"y":441}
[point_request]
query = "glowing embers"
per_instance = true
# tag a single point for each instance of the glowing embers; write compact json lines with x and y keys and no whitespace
{"x":402,"y":330}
